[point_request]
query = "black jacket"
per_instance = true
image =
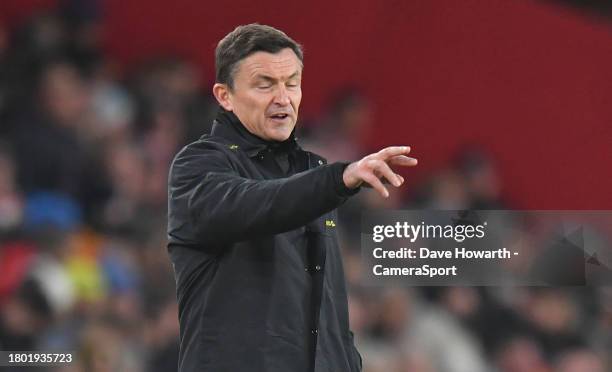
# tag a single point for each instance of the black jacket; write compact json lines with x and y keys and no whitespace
{"x":252,"y":239}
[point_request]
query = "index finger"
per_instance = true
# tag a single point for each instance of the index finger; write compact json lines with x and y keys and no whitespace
{"x":388,"y":152}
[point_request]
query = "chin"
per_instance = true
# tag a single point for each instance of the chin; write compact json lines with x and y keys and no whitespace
{"x":280,"y":135}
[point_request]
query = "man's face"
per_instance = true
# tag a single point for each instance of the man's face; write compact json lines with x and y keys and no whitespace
{"x":267,"y":93}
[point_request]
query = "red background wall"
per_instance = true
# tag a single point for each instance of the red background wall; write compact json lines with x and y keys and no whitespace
{"x":532,"y":81}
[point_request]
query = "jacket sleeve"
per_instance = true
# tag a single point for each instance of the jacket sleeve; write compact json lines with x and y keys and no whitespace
{"x":357,"y":355}
{"x":222,"y":207}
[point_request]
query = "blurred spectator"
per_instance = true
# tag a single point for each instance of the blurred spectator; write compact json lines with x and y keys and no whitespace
{"x":338,"y":135}
{"x":481,"y":178}
{"x":581,"y":360}
{"x":446,"y":190}
{"x":451,"y":347}
{"x":11,"y":200}
{"x":23,"y":315}
{"x":521,"y":355}
{"x":104,"y":349}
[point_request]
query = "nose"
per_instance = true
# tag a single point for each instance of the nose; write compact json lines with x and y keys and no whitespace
{"x":281,"y":97}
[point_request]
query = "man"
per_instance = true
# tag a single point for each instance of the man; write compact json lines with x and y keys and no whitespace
{"x":251,"y":223}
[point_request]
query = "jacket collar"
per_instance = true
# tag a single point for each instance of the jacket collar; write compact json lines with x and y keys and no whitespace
{"x":227,"y":125}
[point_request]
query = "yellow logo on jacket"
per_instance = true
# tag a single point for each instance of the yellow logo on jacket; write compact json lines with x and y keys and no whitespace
{"x":330,"y":223}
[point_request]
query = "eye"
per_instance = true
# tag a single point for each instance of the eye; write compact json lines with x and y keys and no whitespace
{"x":293,"y":84}
{"x":264,"y":87}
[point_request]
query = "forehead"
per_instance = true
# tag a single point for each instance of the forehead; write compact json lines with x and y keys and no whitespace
{"x":278,"y":65}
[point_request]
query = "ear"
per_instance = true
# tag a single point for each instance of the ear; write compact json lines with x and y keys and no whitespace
{"x":222,"y":94}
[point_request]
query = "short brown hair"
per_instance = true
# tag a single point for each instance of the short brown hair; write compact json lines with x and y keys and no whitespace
{"x":246,"y":40}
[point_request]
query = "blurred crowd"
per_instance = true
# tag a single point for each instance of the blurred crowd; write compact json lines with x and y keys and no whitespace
{"x":85,"y":147}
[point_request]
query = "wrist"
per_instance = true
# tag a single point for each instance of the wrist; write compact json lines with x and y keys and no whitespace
{"x":350,"y":182}
{"x":342,"y":187}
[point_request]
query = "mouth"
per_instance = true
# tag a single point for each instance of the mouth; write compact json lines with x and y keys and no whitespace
{"x":280,"y":117}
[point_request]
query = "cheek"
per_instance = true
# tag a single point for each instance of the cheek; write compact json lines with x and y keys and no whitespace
{"x":297,"y":99}
{"x":251,"y":106}
{"x":259,"y":105}
{"x":249,"y":103}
